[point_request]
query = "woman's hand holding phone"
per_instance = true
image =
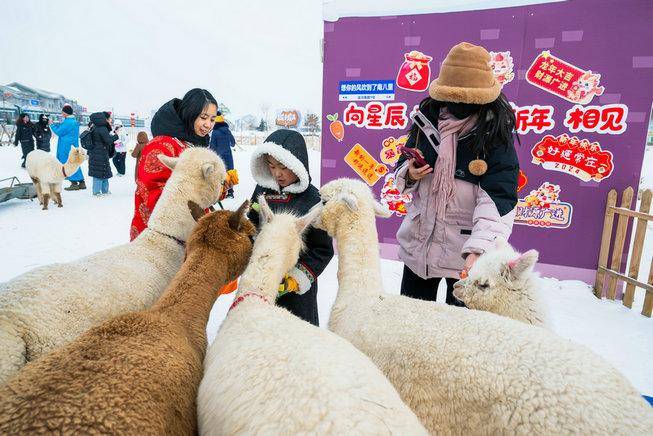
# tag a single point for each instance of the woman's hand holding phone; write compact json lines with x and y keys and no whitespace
{"x":416,"y":172}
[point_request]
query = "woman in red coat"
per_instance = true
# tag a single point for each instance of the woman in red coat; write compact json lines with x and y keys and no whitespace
{"x":177,"y":125}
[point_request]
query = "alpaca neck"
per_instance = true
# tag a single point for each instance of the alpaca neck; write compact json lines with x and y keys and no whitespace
{"x":171,"y":215}
{"x":359,"y":263}
{"x":263,"y":275}
{"x":189,"y":297}
{"x":70,"y":167}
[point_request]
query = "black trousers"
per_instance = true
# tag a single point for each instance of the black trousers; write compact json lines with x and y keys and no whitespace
{"x":302,"y":306}
{"x":26,"y":146}
{"x":119,"y":162}
{"x":414,"y":286}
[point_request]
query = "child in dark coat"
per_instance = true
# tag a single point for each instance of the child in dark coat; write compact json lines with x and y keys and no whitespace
{"x":280,"y":168}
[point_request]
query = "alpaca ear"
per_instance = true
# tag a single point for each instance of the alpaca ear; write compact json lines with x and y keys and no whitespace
{"x":523,"y":263}
{"x":381,"y":211}
{"x":264,"y":210}
{"x":208,"y":169}
{"x":236,"y":219}
{"x":168,"y":161}
{"x":195,"y":210}
{"x":350,"y":201}
{"x":304,"y":222}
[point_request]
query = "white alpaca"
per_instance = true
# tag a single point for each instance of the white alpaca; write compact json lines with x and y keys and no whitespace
{"x":502,"y":281}
{"x":48,"y":173}
{"x":464,"y":371}
{"x":52,"y":305}
{"x":268,"y":372}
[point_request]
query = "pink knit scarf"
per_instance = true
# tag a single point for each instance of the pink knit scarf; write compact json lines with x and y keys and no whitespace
{"x":443,"y":184}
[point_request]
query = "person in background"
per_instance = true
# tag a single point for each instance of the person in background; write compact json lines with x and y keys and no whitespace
{"x":68,"y":132}
{"x":280,"y":168}
{"x":99,"y":154}
{"x":177,"y":125}
{"x":221,"y":142}
{"x":465,"y":195}
{"x":24,"y":135}
{"x":42,"y":133}
{"x":141,"y":141}
{"x":121,"y":148}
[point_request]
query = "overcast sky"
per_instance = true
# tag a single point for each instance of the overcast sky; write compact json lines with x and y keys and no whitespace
{"x":135,"y":55}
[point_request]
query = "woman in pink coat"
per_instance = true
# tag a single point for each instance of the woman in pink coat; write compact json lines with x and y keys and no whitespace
{"x":465,"y":195}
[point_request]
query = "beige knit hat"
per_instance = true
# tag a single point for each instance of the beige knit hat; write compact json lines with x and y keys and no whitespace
{"x":466,"y":77}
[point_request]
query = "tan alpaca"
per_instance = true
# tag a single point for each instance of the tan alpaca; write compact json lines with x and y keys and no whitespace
{"x":137,"y":373}
{"x":47,"y":173}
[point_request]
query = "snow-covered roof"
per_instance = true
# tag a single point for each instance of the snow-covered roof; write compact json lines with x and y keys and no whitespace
{"x":11,"y":90}
{"x":37,"y":91}
{"x":336,"y":9}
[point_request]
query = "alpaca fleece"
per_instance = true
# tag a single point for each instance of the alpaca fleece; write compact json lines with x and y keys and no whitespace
{"x":464,"y":371}
{"x":502,"y":281}
{"x":52,"y":305}
{"x":47,"y":173}
{"x":139,"y":372}
{"x":268,"y":372}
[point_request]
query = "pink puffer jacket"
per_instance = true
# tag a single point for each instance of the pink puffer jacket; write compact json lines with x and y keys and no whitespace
{"x":436,"y":248}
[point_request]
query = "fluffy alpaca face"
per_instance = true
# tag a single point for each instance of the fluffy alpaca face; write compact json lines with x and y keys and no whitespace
{"x":224,"y":235}
{"x":200,"y":172}
{"x":77,"y":155}
{"x":495,"y":276}
{"x":346,"y":198}
{"x":281,"y":234}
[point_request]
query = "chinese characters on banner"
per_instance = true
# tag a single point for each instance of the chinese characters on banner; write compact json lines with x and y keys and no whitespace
{"x":574,"y":156}
{"x":534,"y":118}
{"x":376,"y":115}
{"x":607,"y":119}
{"x":563,"y":79}
{"x":362,"y":162}
{"x":390,"y":150}
{"x":543,"y":208}
{"x":610,"y":119}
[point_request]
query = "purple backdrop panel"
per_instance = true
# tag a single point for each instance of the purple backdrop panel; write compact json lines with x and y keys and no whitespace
{"x":556,"y":53}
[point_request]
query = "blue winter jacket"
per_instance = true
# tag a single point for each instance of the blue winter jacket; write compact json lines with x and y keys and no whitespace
{"x":68,"y":136}
{"x":221,"y":142}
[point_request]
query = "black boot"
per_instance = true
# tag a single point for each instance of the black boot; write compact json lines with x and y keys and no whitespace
{"x":81,"y":185}
{"x":74,"y":186}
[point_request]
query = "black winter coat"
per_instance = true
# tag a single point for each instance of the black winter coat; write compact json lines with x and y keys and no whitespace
{"x":500,"y":180}
{"x":42,"y":133}
{"x":290,"y":149}
{"x":98,"y":154}
{"x":24,"y":132}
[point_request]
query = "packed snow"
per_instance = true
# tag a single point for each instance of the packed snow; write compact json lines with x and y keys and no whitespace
{"x":31,"y":237}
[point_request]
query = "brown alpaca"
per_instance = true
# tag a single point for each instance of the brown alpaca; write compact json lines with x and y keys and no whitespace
{"x":139,"y":372}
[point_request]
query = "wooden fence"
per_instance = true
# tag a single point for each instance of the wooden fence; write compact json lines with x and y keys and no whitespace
{"x":625,"y":213}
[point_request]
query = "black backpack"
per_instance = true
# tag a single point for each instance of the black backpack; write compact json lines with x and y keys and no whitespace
{"x":86,"y":139}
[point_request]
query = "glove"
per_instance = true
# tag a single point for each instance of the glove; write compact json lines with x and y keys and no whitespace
{"x":232,"y":177}
{"x":288,"y":284}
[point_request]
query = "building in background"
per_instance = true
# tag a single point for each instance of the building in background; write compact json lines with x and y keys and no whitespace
{"x":16,"y":98}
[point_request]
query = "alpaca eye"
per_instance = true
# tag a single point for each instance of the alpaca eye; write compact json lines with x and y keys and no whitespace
{"x":484,"y":285}
{"x":324,"y":202}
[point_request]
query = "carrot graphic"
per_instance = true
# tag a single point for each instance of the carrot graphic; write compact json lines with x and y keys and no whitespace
{"x":336,"y":127}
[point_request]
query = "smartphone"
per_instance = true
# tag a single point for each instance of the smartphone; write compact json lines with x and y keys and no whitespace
{"x":411,"y":153}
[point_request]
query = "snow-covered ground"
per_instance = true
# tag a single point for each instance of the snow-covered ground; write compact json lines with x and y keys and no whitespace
{"x":30,"y":237}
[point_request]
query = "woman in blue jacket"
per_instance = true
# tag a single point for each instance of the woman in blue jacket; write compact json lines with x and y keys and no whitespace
{"x":221,"y":142}
{"x":68,"y":133}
